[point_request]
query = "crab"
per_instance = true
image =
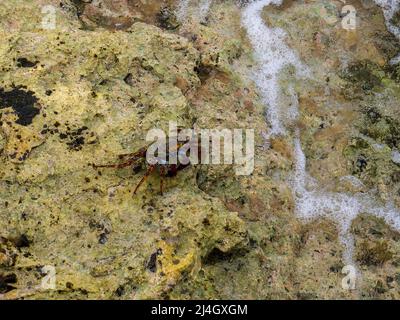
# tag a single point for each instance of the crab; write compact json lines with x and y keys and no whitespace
{"x":138,"y":159}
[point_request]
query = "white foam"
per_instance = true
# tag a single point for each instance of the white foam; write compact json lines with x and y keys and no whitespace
{"x":390,"y":7}
{"x":199,"y":11}
{"x":204,"y":8}
{"x":312,"y":202}
{"x":182,"y":9}
{"x":272,"y":55}
{"x":396,"y":156}
{"x":342,"y":208}
{"x":355,"y":182}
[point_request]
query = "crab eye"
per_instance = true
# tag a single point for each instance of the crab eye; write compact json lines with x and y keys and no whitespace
{"x":137,"y":168}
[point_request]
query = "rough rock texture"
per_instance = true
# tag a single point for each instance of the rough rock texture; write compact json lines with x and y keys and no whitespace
{"x":121,"y":14}
{"x":89,"y":91}
{"x":96,"y":93}
{"x":349,"y":120}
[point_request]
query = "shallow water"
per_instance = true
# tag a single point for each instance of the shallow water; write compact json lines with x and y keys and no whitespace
{"x":273,"y":55}
{"x":389,"y":8}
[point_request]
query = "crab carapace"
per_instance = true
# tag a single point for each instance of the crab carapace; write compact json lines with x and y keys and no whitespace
{"x":164,"y":168}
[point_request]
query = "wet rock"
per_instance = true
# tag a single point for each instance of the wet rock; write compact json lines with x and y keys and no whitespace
{"x":362,"y":74}
{"x":377,"y":253}
{"x":351,"y":184}
{"x":374,"y":253}
{"x":105,"y":13}
{"x":167,"y":19}
{"x":396,"y":19}
{"x":121,"y":14}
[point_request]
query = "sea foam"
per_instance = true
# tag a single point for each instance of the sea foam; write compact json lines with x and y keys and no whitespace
{"x":272,"y":55}
{"x":194,"y":9}
{"x":390,"y":7}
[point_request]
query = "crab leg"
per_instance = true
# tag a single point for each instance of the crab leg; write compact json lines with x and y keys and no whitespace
{"x":146,"y":175}
{"x":162,"y":174}
{"x":118,"y":166}
{"x":141,"y":153}
{"x":133,"y":158}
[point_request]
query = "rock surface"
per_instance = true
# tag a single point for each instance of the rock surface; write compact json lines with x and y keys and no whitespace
{"x":90,"y":89}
